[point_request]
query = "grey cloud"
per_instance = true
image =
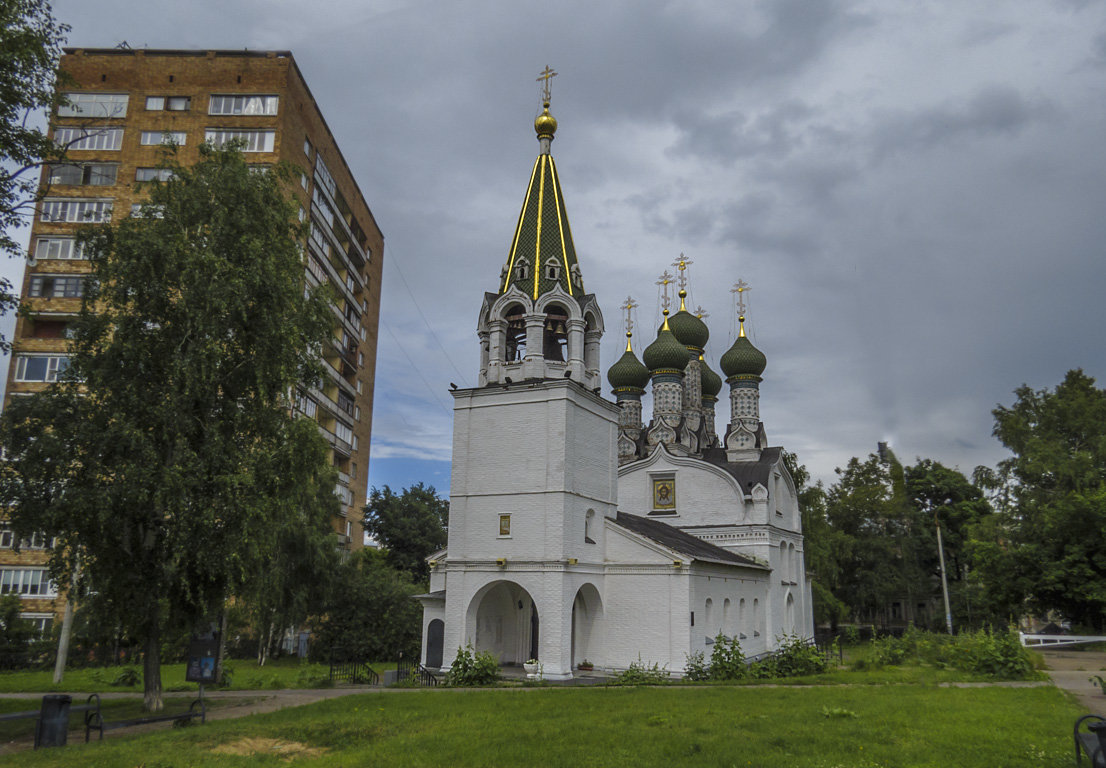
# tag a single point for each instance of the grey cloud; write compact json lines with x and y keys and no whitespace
{"x":996,"y":110}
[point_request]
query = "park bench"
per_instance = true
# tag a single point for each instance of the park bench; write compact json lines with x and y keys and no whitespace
{"x":94,"y":719}
{"x":1092,"y":741}
{"x":56,"y":737}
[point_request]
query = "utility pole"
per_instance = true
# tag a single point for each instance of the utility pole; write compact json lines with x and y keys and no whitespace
{"x":886,"y":456}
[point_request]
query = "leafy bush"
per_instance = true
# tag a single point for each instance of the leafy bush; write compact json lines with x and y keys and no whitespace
{"x":997,"y":654}
{"x":473,"y":668}
{"x":640,"y":673}
{"x":696,"y":668}
{"x":126,"y":676}
{"x":727,"y":661}
{"x":795,"y":657}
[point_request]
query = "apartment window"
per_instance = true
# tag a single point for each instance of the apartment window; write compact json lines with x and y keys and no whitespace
{"x":56,"y":286}
{"x":307,"y":146}
{"x":306,"y":406}
{"x":59,"y":248}
{"x":255,"y":141}
{"x":93,"y":174}
{"x":94,"y":105}
{"x":39,"y":367}
{"x":153,"y":174}
{"x":89,"y":138}
{"x":243,"y":104}
{"x":342,"y":432}
{"x":36,"y":541}
{"x":171,"y":103}
{"x":26,"y":581}
{"x":75,"y":210}
{"x":324,"y":207}
{"x":323,"y":174}
{"x":158,"y":138}
{"x":303,"y":180}
{"x":146,"y":211}
{"x":40,"y":622}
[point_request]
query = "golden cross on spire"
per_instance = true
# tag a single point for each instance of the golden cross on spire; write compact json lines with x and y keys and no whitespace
{"x":546,"y":79}
{"x":664,"y":281}
{"x":681,"y":264}
{"x":740,"y":288}
{"x":629,"y":306}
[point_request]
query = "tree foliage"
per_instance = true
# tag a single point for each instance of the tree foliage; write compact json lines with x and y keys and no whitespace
{"x":30,"y":45}
{"x":1050,"y":551}
{"x":167,"y":460}
{"x":409,"y":526}
{"x":371,"y":613}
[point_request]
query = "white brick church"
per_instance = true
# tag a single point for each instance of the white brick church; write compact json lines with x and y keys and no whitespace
{"x":576,"y":532}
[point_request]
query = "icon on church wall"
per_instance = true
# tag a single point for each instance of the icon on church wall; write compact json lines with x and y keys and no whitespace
{"x":504,"y":525}
{"x":664,"y":494}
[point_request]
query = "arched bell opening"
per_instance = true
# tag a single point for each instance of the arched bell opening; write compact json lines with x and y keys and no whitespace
{"x":514,"y":346}
{"x":555,"y":334}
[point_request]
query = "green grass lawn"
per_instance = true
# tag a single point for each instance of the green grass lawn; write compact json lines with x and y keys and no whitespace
{"x":817,"y":726}
{"x":245,"y":676}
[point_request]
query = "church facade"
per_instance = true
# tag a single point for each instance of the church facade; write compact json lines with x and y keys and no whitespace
{"x":577,"y":532}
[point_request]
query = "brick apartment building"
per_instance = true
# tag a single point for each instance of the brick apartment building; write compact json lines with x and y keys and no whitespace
{"x":122,"y":106}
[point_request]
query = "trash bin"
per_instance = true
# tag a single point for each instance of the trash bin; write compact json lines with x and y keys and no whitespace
{"x":53,"y":721}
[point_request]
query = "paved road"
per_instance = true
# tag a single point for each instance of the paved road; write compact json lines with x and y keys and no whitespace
{"x":1071,"y":670}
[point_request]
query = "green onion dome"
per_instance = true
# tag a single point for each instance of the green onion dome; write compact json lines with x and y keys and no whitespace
{"x":743,"y":359}
{"x":628,"y":373}
{"x":688,"y":329}
{"x":711,"y":382}
{"x":666,"y":353}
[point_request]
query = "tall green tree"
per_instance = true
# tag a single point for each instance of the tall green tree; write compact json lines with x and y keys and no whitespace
{"x":371,"y":613}
{"x":821,"y":545}
{"x":30,"y":45}
{"x":409,"y":526}
{"x":1051,"y":551}
{"x":167,"y":460}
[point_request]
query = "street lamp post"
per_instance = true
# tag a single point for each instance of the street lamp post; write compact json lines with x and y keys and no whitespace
{"x":944,"y":579}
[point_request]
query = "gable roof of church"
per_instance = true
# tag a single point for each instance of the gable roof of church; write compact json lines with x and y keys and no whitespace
{"x":683,"y":543}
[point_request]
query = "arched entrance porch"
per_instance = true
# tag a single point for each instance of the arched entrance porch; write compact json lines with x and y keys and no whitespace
{"x":506,"y":623}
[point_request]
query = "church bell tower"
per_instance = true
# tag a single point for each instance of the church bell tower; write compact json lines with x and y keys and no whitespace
{"x":534,"y":476}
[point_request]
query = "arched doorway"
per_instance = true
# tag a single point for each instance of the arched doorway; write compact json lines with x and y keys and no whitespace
{"x":504,"y":620}
{"x":435,"y":643}
{"x":587,"y":630}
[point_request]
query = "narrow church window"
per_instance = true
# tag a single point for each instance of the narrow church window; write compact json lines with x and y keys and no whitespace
{"x":707,"y":614}
{"x":522,"y":269}
{"x":587,"y":526}
{"x":552,"y":270}
{"x":504,"y":525}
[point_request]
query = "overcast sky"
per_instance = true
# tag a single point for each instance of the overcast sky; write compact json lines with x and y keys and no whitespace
{"x":915,"y":191}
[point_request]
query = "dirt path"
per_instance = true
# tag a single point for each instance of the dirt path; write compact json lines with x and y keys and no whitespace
{"x":1071,"y":670}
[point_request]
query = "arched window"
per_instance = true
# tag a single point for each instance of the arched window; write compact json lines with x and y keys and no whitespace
{"x":792,"y":560}
{"x":552,"y":270}
{"x":756,"y":617}
{"x":522,"y":268}
{"x":725,"y":614}
{"x":588,"y":522}
{"x":742,"y":627}
{"x":708,"y":615}
{"x":785,"y":573}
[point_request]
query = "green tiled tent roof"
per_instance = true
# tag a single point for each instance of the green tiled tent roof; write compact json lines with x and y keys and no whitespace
{"x":542,"y":234}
